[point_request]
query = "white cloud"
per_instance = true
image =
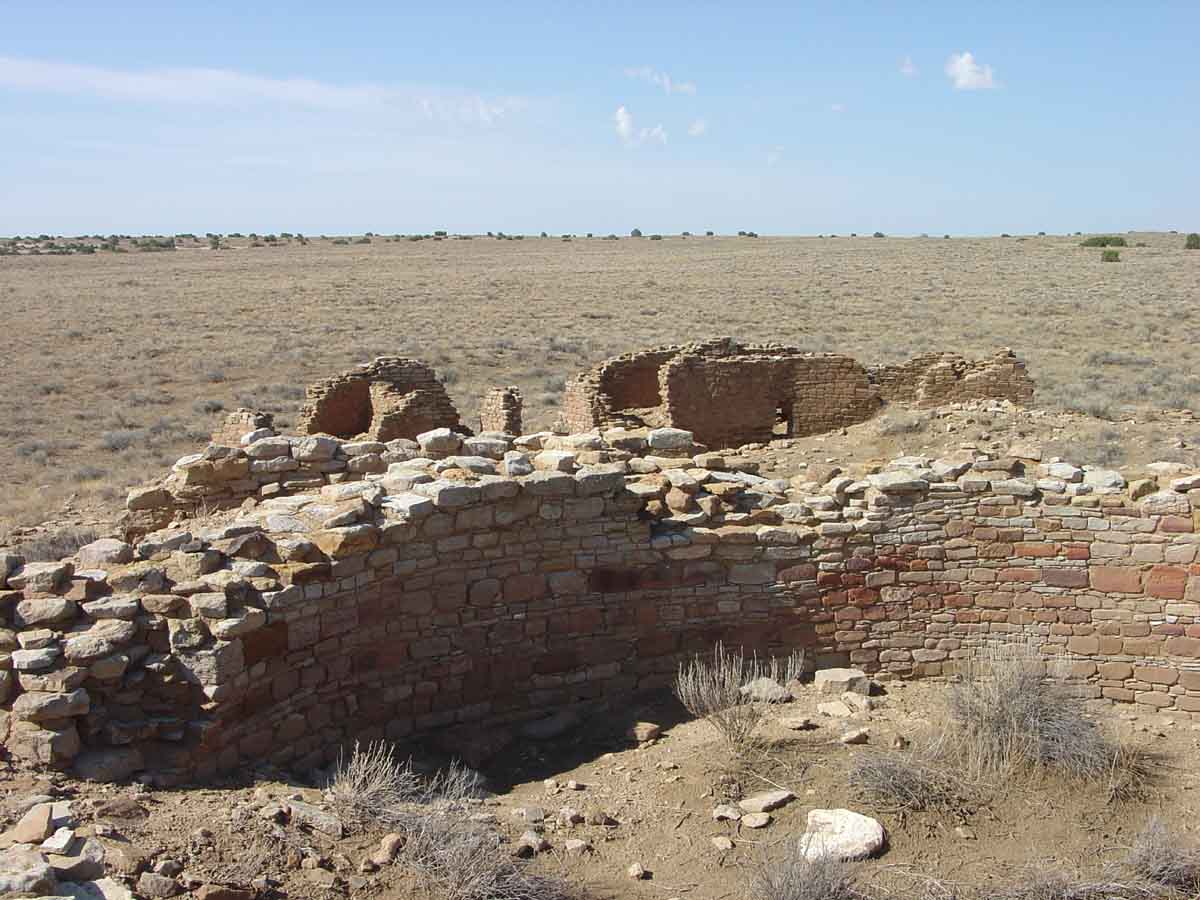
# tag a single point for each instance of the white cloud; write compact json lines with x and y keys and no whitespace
{"x":225,"y":87}
{"x":630,"y":135}
{"x":660,"y":79}
{"x":837,"y":107}
{"x":969,"y":75}
{"x":907,"y":68}
{"x":698,"y":128}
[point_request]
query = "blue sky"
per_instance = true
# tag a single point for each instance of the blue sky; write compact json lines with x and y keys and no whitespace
{"x":572,"y":117}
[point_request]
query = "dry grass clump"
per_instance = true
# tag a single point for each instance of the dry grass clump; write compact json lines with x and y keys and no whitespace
{"x":1056,"y":885}
{"x":51,"y":547}
{"x":911,"y":781}
{"x":796,"y":878}
{"x":1012,"y":712}
{"x":712,"y":690}
{"x":456,"y":857}
{"x":1159,"y":859}
{"x":372,"y":787}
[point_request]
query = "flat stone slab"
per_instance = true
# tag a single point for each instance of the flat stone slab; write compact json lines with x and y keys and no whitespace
{"x":839,"y":681}
{"x":761,"y":803}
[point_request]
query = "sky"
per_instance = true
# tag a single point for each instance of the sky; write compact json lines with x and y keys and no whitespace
{"x":788,"y":118}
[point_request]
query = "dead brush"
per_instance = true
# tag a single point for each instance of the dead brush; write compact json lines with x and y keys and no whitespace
{"x":712,"y":690}
{"x":796,"y":878}
{"x":456,"y":857}
{"x":1012,"y":711}
{"x":907,"y":781}
{"x":1158,"y":858}
{"x":371,"y":787}
{"x":1034,"y":884}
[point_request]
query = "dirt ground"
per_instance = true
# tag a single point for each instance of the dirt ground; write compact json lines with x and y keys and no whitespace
{"x":115,"y":364}
{"x":660,"y":795}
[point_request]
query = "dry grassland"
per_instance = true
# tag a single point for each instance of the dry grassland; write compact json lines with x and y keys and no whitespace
{"x":116,"y":364}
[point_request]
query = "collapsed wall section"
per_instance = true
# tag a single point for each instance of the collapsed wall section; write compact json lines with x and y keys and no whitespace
{"x":933,"y":379}
{"x":389,"y":398}
{"x":730,"y":393}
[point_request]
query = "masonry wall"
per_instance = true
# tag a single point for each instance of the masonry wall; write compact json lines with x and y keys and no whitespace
{"x":461,"y":608}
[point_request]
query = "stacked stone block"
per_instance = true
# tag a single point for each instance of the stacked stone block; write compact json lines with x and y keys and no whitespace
{"x":500,"y":410}
{"x":387,"y":399}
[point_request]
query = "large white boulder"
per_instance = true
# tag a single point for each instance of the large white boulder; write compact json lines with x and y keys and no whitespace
{"x":841,"y":834}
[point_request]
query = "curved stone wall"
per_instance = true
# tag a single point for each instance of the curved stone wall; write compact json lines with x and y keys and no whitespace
{"x":462,"y":597}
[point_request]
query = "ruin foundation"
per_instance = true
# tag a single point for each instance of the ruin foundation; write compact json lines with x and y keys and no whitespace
{"x":728,"y":393}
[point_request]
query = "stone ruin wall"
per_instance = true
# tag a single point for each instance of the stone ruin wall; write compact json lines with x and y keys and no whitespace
{"x":729,"y":393}
{"x":389,"y":398}
{"x":500,"y":411}
{"x":933,"y":379}
{"x":441,"y":600}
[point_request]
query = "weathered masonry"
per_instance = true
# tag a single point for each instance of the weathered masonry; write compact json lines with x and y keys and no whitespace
{"x":475,"y":585}
{"x":729,"y":393}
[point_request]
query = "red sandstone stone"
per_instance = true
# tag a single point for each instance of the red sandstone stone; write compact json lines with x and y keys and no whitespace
{"x":1118,"y":579}
{"x":1034,"y":548}
{"x":1168,"y":582}
{"x":1183,"y":646}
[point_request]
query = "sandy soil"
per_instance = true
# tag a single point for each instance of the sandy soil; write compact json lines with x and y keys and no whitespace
{"x":661,"y":795}
{"x":116,"y":364}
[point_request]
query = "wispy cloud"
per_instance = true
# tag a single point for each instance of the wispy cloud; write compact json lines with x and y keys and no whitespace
{"x":774,"y":155}
{"x":225,"y":87}
{"x":969,"y":75}
{"x":837,"y":107}
{"x":907,"y":68}
{"x":697,"y":128}
{"x":631,"y":135}
{"x":660,"y":79}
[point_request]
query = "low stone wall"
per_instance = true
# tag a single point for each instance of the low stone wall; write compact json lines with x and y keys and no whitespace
{"x":463,"y":597}
{"x":933,"y":379}
{"x":729,"y":393}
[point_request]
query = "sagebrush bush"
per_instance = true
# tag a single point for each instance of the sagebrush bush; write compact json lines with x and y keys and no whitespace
{"x":1192,"y":242}
{"x":1157,"y":857}
{"x":906,"y":780}
{"x":1012,"y":712}
{"x":712,"y":690}
{"x":795,"y":878}
{"x":1104,"y":240}
{"x":1110,"y":256}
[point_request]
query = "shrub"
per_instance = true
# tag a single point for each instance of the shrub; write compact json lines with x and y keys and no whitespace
{"x":1110,"y":256}
{"x":713,"y":690}
{"x":1104,"y":240}
{"x":905,"y":780}
{"x":878,"y":234}
{"x":456,"y":857}
{"x":708,"y":234}
{"x":1192,"y":242}
{"x":637,"y":232}
{"x":1057,"y":885}
{"x":121,"y":439}
{"x":371,"y":787}
{"x":55,"y":546}
{"x":795,"y":878}
{"x":1012,"y":711}
{"x":656,"y":237}
{"x":1156,"y":857}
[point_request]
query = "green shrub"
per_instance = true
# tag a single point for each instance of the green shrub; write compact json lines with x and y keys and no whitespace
{"x":656,"y":237}
{"x":1104,"y":240}
{"x":1110,"y":256}
{"x":637,"y":232}
{"x":1192,"y":242}
{"x":878,"y":234}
